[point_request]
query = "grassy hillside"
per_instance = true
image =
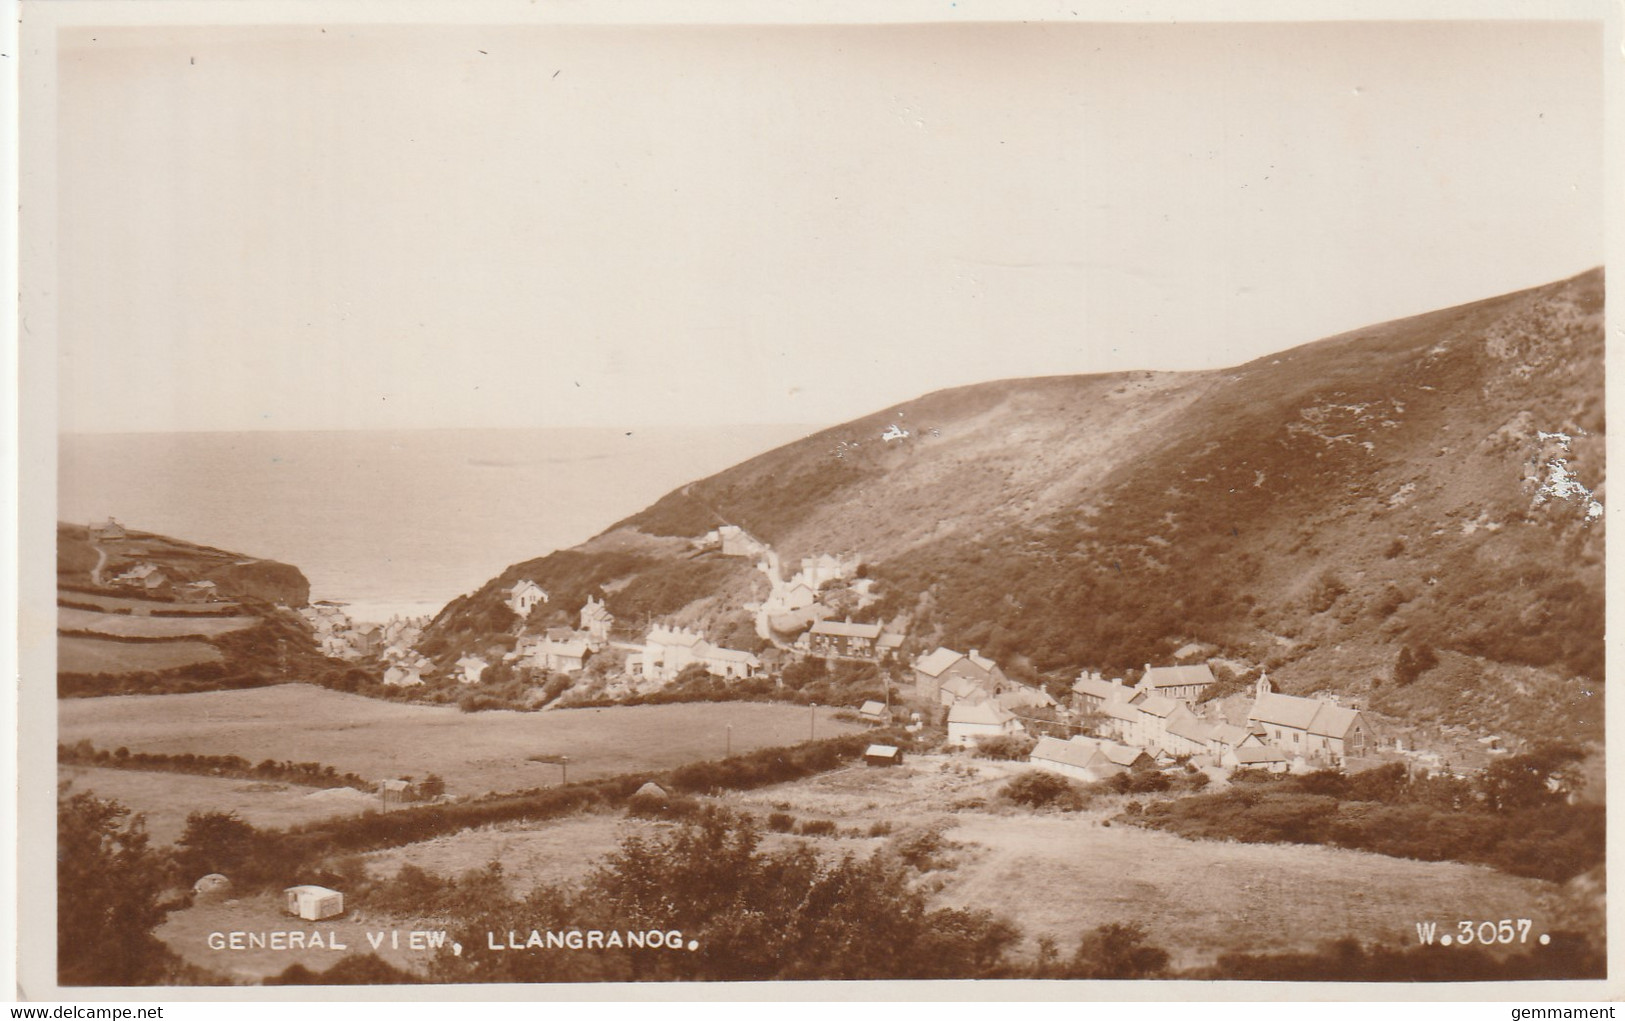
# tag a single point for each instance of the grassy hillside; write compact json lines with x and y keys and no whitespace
{"x":1422,"y":486}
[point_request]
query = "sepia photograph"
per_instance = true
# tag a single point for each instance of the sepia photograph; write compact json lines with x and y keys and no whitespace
{"x":533,"y":496}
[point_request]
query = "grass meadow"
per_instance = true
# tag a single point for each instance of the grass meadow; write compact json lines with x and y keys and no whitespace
{"x":473,"y":752}
{"x":79,"y":654}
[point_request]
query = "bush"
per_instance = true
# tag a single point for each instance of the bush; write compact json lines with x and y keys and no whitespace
{"x":781,"y":822}
{"x":1041,"y":789}
{"x":817,"y":828}
{"x":1005,"y":746}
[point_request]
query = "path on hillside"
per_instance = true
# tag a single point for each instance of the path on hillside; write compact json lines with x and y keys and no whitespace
{"x":101,"y":562}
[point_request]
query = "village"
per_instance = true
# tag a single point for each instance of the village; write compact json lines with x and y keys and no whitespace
{"x":1100,"y":728}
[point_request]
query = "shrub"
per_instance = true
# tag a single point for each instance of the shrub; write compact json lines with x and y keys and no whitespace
{"x":1041,"y":789}
{"x":1005,"y":746}
{"x":781,"y":822}
{"x":817,"y":828}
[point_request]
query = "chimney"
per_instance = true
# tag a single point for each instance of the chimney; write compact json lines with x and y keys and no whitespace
{"x":973,"y":653}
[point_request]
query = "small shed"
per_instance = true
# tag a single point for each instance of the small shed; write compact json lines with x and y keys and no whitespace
{"x":883,"y":755}
{"x":314,"y":903}
{"x":875,"y":712}
{"x":651,"y":791}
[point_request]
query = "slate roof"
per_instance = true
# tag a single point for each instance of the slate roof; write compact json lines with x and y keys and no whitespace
{"x":1097,"y":687}
{"x":1068,"y":753}
{"x":1190,"y":728}
{"x":846,"y":629}
{"x":1177,"y":676}
{"x":938,"y":661}
{"x":989,"y":712}
{"x":1312,"y":715}
{"x":1259,"y":753}
{"x":1121,"y":711}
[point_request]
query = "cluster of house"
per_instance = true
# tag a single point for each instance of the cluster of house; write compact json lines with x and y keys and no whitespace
{"x":842,"y":639}
{"x":339,"y":637}
{"x":666,"y":652}
{"x":801,"y":590}
{"x":1134,"y":727}
{"x":559,"y":649}
{"x":1281,"y":731}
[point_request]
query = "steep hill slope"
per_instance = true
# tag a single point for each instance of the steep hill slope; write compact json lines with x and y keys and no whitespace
{"x":1430,"y":485}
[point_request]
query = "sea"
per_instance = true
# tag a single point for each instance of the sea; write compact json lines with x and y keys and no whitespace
{"x":392,"y":523}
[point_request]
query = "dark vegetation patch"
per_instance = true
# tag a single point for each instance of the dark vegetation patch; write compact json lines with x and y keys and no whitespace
{"x":1508,"y":817}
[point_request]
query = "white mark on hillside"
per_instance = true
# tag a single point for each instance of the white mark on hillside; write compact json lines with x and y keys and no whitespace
{"x":1561,"y":483}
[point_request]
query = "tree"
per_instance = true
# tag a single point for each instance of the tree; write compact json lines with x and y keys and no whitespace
{"x":1531,"y":780}
{"x":107,"y":884}
{"x":1118,"y":950}
{"x":217,"y":842}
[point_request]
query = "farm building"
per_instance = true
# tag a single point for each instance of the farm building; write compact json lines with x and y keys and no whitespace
{"x":883,"y":755}
{"x":728,"y":664}
{"x":875,"y":712}
{"x":1015,"y":695}
{"x":314,"y":903}
{"x":1087,"y":759}
{"x":109,"y":529}
{"x":1314,"y":729}
{"x":970,"y":720}
{"x":1185,"y":683}
{"x":932,"y":671}
{"x":844,"y":639}
{"x":565,"y":657}
{"x":1068,"y":759}
{"x":666,"y":651}
{"x":523,"y":597}
{"x":1257,"y":756}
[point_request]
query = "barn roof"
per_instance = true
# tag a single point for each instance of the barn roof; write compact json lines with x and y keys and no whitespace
{"x":1066,"y":753}
{"x":989,"y":712}
{"x":872,"y":708}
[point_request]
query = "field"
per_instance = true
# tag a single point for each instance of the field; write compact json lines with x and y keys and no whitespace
{"x":166,"y":799}
{"x":473,"y":752}
{"x":78,"y":654}
{"x":140,"y":606}
{"x":1060,"y":875}
{"x":132,"y":626}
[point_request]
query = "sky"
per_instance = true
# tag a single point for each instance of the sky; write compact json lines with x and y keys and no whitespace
{"x":384,"y":226}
